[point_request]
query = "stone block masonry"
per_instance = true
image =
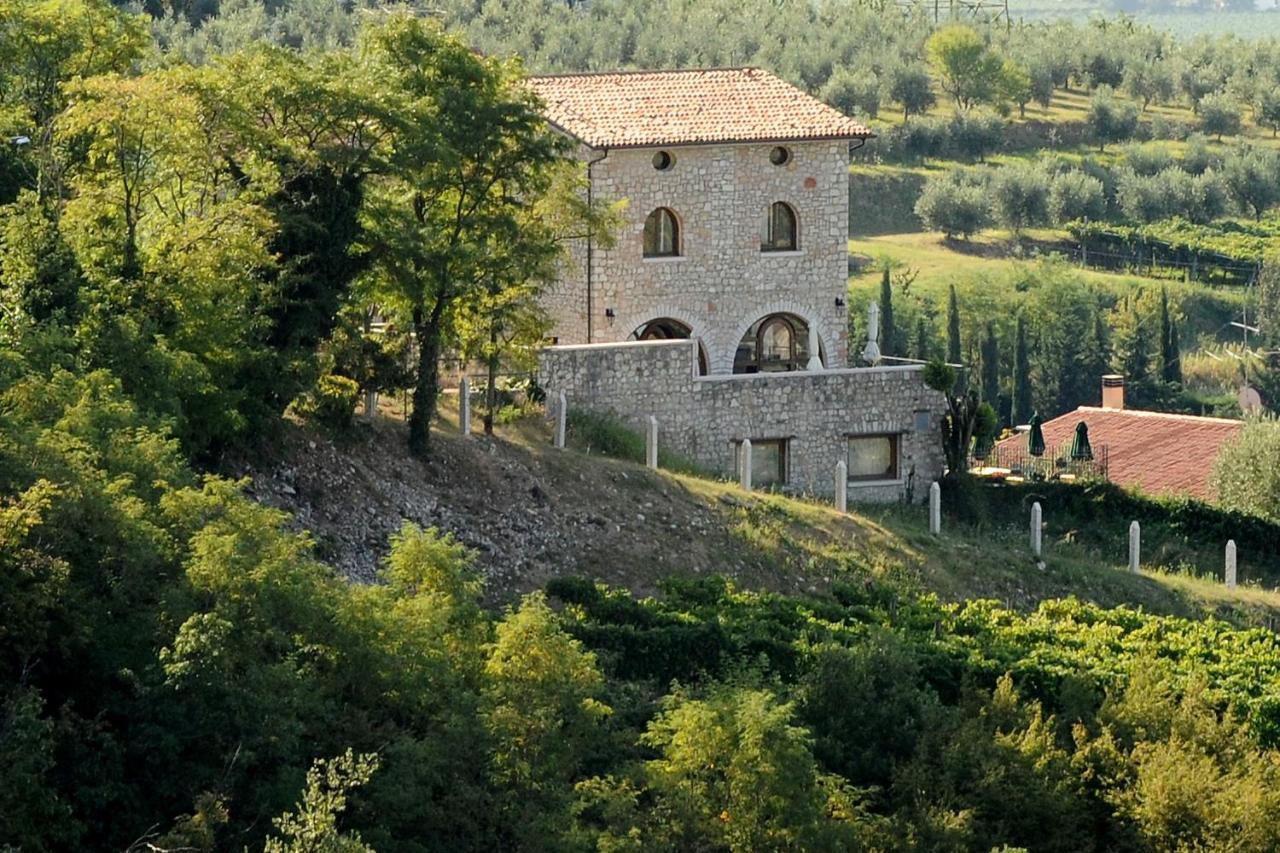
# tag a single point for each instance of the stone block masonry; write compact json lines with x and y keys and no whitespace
{"x":703,"y":418}
{"x":721,"y":282}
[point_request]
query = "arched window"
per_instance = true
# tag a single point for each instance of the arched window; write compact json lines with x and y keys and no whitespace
{"x":780,"y":229}
{"x":774,"y":343}
{"x":661,"y":234}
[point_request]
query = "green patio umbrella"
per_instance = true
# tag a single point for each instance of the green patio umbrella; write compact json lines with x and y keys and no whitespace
{"x":1035,"y":437}
{"x":1080,"y":447}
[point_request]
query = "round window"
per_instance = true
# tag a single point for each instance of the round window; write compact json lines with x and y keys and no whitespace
{"x":663,"y":161}
{"x":780,"y":156}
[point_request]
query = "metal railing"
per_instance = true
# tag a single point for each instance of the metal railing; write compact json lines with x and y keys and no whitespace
{"x":1053,"y":464}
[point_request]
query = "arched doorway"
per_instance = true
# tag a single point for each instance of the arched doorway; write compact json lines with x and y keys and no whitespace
{"x":774,"y":343}
{"x":667,"y":329}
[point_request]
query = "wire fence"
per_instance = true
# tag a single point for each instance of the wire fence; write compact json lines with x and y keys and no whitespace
{"x":1158,"y":261}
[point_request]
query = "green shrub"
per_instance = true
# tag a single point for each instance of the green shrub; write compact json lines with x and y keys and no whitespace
{"x":331,"y":404}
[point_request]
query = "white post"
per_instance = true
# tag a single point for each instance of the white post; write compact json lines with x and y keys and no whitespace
{"x":935,"y":509}
{"x":1231,"y":564}
{"x":1135,"y":546}
{"x":842,"y":486}
{"x":464,"y":406}
{"x":744,"y":464}
{"x":815,"y":360}
{"x":651,"y":444}
{"x":562,"y":419}
{"x":1037,"y":524}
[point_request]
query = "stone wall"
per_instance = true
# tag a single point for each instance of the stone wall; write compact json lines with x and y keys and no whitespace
{"x":703,"y":417}
{"x":721,"y":283}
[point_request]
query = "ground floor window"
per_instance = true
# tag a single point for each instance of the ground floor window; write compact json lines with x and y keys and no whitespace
{"x":768,"y":462}
{"x":873,"y":457}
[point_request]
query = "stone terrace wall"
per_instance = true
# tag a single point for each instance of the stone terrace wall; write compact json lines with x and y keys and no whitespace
{"x":702,"y":417}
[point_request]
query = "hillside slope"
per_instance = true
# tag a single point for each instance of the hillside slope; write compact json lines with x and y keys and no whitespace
{"x":532,"y":513}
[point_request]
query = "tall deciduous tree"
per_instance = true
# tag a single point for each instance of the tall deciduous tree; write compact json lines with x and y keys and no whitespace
{"x":967,"y":69}
{"x":469,"y":152}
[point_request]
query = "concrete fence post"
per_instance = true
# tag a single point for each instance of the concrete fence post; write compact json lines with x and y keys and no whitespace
{"x":1231,"y":564}
{"x":842,"y":486}
{"x":1135,"y":546}
{"x":935,"y":508}
{"x":464,"y":406}
{"x":1037,"y":529}
{"x":651,"y":443}
{"x":562,"y":419}
{"x":744,"y":464}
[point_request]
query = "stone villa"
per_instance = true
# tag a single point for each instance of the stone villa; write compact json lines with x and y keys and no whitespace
{"x":720,"y":310}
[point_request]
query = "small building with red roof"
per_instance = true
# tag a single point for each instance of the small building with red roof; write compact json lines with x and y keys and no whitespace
{"x":1159,"y":453}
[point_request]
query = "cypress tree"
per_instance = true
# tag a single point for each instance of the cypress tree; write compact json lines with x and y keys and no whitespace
{"x":1169,"y":369}
{"x":889,"y":343}
{"x":1137,"y":353}
{"x":923,"y":349}
{"x":954,"y":355}
{"x":1022,"y":403}
{"x":990,"y":366}
{"x":1173,"y":371}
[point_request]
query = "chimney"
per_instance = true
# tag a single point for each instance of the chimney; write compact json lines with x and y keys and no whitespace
{"x":1113,"y":391}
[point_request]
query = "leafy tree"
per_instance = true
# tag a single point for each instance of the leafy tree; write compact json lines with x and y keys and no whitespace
{"x":968,"y":419}
{"x":1266,"y":109}
{"x":1134,"y":349}
{"x":1252,"y":176}
{"x":1148,"y":80}
{"x":1247,"y":472}
{"x":1023,"y":404}
{"x":734,"y":771}
{"x":853,"y":91}
{"x":953,"y":208}
{"x":1020,"y":197}
{"x":1220,"y":116}
{"x":1014,"y":87}
{"x":541,"y":706}
{"x":469,"y":152}
{"x":1074,"y":195}
{"x":912,"y":88}
{"x":975,"y":135}
{"x":1109,"y":119}
{"x":966,"y":68}
{"x":44,"y":46}
{"x":314,"y":826}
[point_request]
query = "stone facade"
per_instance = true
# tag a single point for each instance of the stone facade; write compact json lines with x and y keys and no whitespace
{"x":704,"y":417}
{"x":721,"y":282}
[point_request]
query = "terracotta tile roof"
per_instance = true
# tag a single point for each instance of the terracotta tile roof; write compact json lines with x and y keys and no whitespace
{"x":637,"y":109}
{"x":1157,"y":452}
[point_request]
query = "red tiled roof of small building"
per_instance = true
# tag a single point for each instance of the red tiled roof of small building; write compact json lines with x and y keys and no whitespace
{"x":639,"y":109}
{"x":1157,"y":452}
